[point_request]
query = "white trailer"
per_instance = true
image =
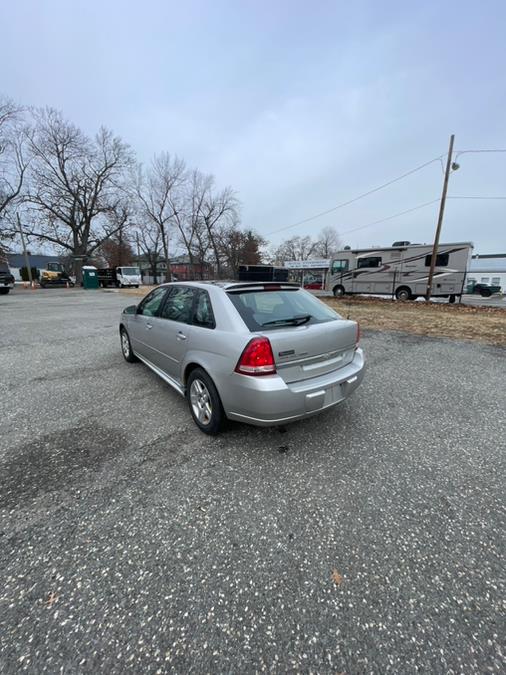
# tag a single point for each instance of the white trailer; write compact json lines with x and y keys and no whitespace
{"x":401,"y":270}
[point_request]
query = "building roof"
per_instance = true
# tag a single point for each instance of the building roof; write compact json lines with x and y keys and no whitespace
{"x":36,"y":260}
{"x":488,"y":263}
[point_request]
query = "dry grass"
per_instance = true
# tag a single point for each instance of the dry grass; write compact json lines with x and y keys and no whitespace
{"x":461,"y":322}
{"x":141,"y":291}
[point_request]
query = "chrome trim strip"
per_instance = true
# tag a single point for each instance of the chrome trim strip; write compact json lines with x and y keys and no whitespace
{"x":166,"y":378}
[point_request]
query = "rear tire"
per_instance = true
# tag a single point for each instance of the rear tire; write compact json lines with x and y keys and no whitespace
{"x":403,"y":293}
{"x":4,"y":291}
{"x":204,"y":402}
{"x":451,"y":299}
{"x":126,"y":347}
{"x":338,"y":291}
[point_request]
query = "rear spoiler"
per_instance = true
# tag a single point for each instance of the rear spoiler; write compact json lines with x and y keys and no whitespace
{"x":262,"y":286}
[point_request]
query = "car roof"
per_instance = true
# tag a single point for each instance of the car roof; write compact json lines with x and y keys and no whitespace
{"x":229,"y":284}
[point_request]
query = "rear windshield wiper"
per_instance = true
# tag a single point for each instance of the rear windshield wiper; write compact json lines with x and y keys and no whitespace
{"x":293,"y":321}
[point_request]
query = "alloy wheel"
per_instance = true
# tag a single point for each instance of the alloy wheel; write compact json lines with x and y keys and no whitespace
{"x":200,"y":399}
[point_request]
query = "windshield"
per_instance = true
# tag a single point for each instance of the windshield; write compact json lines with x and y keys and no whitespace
{"x":129,"y":271}
{"x":267,"y":310}
{"x":4,"y":268}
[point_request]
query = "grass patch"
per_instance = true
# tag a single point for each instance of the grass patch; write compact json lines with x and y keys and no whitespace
{"x":461,"y":322}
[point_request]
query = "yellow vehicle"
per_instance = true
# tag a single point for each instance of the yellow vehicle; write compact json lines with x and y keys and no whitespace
{"x":55,"y":275}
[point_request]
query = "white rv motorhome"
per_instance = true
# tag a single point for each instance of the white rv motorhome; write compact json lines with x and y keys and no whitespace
{"x":401,"y":270}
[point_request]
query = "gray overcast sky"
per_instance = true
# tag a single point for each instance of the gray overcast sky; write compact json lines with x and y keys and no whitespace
{"x":297,"y":105}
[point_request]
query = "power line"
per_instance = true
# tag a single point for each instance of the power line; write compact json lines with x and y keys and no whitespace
{"x":415,"y":208}
{"x":472,"y":197}
{"x":395,"y":215}
{"x":355,"y":199}
{"x":463,"y":152}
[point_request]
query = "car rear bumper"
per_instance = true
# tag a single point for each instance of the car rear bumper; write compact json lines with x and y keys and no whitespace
{"x":268,"y":401}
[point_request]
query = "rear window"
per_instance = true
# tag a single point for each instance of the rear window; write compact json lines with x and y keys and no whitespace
{"x":268,"y":310}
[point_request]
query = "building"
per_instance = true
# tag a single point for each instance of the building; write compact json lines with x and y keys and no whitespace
{"x":488,"y":269}
{"x":39,"y":261}
{"x":181,"y":268}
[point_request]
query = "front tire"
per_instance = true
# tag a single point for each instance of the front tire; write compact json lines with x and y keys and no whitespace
{"x":485,"y":293}
{"x":338,"y":291}
{"x":126,"y":347}
{"x":204,"y":402}
{"x":452,"y":299}
{"x":403,"y":293}
{"x":4,"y":291}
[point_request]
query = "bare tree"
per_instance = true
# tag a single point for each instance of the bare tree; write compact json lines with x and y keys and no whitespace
{"x":239,"y":247}
{"x":116,"y":250}
{"x":148,"y":240}
{"x":74,"y":185}
{"x":218,"y":209}
{"x":13,"y":161}
{"x":157,"y":189}
{"x":328,"y":242}
{"x":296,"y":248}
{"x":187,"y":205}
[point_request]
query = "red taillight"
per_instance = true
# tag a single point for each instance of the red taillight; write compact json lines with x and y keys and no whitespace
{"x":357,"y":338}
{"x":257,"y":358}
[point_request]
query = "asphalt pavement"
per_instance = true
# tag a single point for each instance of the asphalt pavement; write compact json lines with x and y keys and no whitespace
{"x":369,"y":539}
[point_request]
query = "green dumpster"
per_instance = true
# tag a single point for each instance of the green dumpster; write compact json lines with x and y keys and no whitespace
{"x":90,"y":277}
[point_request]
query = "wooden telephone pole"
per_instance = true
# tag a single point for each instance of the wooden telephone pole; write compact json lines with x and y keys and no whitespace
{"x":25,"y":252}
{"x":440,"y":219}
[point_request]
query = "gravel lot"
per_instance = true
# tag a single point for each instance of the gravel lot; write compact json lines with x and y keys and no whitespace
{"x":368,"y":539}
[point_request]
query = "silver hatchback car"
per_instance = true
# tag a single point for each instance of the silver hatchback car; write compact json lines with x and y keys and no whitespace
{"x":261,"y":353}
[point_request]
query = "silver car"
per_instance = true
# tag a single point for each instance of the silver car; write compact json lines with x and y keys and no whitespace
{"x":260,"y":353}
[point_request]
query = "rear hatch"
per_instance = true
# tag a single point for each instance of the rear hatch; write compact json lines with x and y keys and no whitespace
{"x":303,"y":352}
{"x":308,"y":338}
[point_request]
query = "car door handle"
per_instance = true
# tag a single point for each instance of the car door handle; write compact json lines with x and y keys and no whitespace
{"x":181,"y":336}
{"x":149,"y":326}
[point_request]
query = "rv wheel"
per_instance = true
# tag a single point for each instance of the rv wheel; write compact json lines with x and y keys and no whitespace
{"x":338,"y":291}
{"x":403,"y":293}
{"x":451,"y":299}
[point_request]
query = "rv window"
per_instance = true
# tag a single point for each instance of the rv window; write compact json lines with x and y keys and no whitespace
{"x":441,"y":260}
{"x":368,"y":262}
{"x":339,"y":266}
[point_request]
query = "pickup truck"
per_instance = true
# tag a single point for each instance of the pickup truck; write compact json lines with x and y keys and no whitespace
{"x":119,"y":276}
{"x":485,"y":290}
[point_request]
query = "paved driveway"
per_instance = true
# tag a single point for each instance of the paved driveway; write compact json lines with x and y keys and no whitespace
{"x":368,"y":539}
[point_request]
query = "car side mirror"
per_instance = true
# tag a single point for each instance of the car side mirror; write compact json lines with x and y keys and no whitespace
{"x":131,"y":309}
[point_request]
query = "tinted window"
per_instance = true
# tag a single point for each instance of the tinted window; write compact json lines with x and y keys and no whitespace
{"x":258,"y":308}
{"x":339,"y":266}
{"x":203,"y":311}
{"x":441,"y":260}
{"x":368,"y":262}
{"x":178,"y":306}
{"x":151,"y":303}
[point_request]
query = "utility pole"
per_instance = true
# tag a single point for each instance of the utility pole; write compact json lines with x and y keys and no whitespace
{"x":25,"y":252}
{"x":440,"y":219}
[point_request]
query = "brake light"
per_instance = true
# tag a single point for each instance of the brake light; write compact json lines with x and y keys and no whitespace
{"x":257,"y":358}
{"x":357,"y":337}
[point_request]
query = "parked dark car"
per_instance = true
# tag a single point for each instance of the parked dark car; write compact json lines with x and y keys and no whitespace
{"x":6,"y":279}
